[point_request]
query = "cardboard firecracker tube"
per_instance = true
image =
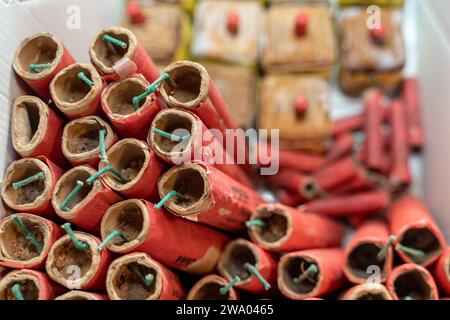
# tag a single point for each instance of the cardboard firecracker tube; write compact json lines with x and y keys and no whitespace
{"x":341,"y":146}
{"x":414,"y":227}
{"x":286,"y":229}
{"x":175,"y":242}
{"x":367,"y":291}
{"x":87,"y":206}
{"x":138,"y":164}
{"x":347,"y":125}
{"x":441,"y":271}
{"x":411,"y":282}
{"x":72,"y":95}
{"x":28,"y":185}
{"x":81,"y":140}
{"x":77,"y":268}
{"x":363,"y":181}
{"x":296,"y":281}
{"x":294,"y":182}
{"x":82,"y":295}
{"x":411,"y":100}
{"x":373,"y":119}
{"x":359,"y":204}
{"x":36,"y":130}
{"x":208,"y":288}
{"x":38,"y":59}
{"x":125,"y":279}
{"x":33,"y":285}
{"x":200,"y":144}
{"x":236,"y":258}
{"x":17,"y":250}
{"x":115,"y":62}
{"x":369,"y":247}
{"x":207,"y":195}
{"x":117,"y":104}
{"x":289,"y":198}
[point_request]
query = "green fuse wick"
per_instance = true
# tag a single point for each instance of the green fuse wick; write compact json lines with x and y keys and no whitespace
{"x":19,"y":184}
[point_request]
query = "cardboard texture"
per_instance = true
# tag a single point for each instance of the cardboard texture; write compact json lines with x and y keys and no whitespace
{"x":81,"y":295}
{"x":208,"y":288}
{"x":367,"y":291}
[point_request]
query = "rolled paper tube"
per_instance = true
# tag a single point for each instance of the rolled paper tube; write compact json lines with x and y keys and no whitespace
{"x":135,"y":12}
{"x":36,"y":130}
{"x":80,"y":141}
{"x":33,"y":285}
{"x":207,"y":195}
{"x":35,"y":196}
{"x":17,"y":250}
{"x":177,"y":243}
{"x":359,"y":204}
{"x":367,"y":291}
{"x":327,"y":278}
{"x":198,"y":143}
{"x":114,"y":62}
{"x":138,"y":164}
{"x":400,"y":175}
{"x":411,"y":101}
{"x":294,"y":182}
{"x":208,"y":288}
{"x":117,"y":105}
{"x":441,"y":271}
{"x":363,"y":181}
{"x":342,"y":146}
{"x":233,"y":261}
{"x":347,"y":125}
{"x":82,"y":295}
{"x":414,"y":227}
{"x":289,"y":198}
{"x":72,"y":95}
{"x":76,"y":268}
{"x":124,"y":281}
{"x":411,"y":282}
{"x":369,"y":248}
{"x":41,"y":48}
{"x":87,"y":206}
{"x":373,"y":119}
{"x":286,"y":229}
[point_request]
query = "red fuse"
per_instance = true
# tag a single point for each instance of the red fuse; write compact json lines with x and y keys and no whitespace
{"x":418,"y":238}
{"x":28,"y":284}
{"x":136,"y":276}
{"x":370,"y":248}
{"x":28,"y":185}
{"x":137,"y":226}
{"x":213,"y":287}
{"x":82,"y":295}
{"x":75,"y":262}
{"x":311,"y":273}
{"x":132,"y":169}
{"x":200,"y":192}
{"x":81,"y":198}
{"x":131,"y":120}
{"x":411,"y":282}
{"x":254,"y":267}
{"x":280,"y":228}
{"x":367,"y":291}
{"x":441,"y":271}
{"x":411,"y":101}
{"x":36,"y":130}
{"x":117,"y":54}
{"x":38,"y":59}
{"x":25,"y":240}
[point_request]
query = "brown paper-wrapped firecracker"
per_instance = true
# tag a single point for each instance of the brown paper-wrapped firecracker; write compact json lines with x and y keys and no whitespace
{"x":75,"y":261}
{"x":283,"y":229}
{"x":82,"y":295}
{"x":441,"y":271}
{"x":117,"y":54}
{"x":28,"y":185}
{"x":36,"y":130}
{"x":81,"y":198}
{"x":418,"y":238}
{"x":25,"y":240}
{"x":255,"y":268}
{"x":136,"y":276}
{"x":369,"y":247}
{"x":76,"y":90}
{"x":131,"y":120}
{"x":213,"y":287}
{"x":38,"y":59}
{"x":193,"y":143}
{"x":138,"y":226}
{"x":367,"y":291}
{"x":200,"y":192}
{"x":28,"y":284}
{"x":81,"y":140}
{"x":411,"y":282}
{"x":311,"y":273}
{"x":138,"y":166}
